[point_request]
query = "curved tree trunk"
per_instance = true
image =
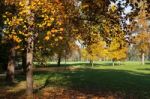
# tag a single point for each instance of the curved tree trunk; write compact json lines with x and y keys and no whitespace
{"x":11,"y":64}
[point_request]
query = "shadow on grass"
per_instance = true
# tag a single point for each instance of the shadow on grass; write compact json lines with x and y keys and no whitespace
{"x":145,"y":69}
{"x":93,"y":81}
{"x":18,"y":77}
{"x":5,"y":88}
{"x":147,"y":63}
{"x":6,"y":94}
{"x":124,"y":83}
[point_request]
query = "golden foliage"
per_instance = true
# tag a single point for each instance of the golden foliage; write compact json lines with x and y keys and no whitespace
{"x":117,"y":51}
{"x":95,"y":51}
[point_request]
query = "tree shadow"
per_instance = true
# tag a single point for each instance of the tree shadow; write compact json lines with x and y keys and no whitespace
{"x":7,"y":94}
{"x":147,"y":63}
{"x":145,"y":69}
{"x":93,"y":81}
{"x":121,"y":83}
{"x":6,"y":90}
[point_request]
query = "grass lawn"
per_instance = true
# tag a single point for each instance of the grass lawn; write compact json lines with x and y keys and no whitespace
{"x":131,"y":80}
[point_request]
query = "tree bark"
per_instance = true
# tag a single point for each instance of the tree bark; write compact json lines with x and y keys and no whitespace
{"x":29,"y":65}
{"x":143,"y":59}
{"x":29,"y":53}
{"x":11,"y":65}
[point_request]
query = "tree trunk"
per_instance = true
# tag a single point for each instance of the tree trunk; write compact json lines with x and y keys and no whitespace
{"x":29,"y":52}
{"x":24,"y":61}
{"x":91,"y":62}
{"x":113,"y":62}
{"x":59,"y":60}
{"x":65,"y":56}
{"x":29,"y":65}
{"x":11,"y":64}
{"x":119,"y":63}
{"x":143,"y":59}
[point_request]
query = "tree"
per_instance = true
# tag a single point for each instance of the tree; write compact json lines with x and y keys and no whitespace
{"x":60,"y":41}
{"x":12,"y":40}
{"x":96,"y":51}
{"x":140,"y":26}
{"x":142,"y":43}
{"x":32,"y":18}
{"x":117,"y":50}
{"x":103,"y":18}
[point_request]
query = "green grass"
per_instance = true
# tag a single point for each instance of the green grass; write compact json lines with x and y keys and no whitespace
{"x":130,"y":78}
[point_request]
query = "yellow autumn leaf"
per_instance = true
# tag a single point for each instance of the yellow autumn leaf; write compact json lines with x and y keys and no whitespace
{"x":46,"y":38}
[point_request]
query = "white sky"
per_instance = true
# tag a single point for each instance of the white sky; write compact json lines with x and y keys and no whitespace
{"x":128,"y":9}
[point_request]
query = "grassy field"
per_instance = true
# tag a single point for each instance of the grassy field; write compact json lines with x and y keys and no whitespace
{"x":131,"y":80}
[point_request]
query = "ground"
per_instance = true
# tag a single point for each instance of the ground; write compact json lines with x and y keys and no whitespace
{"x":130,"y":80}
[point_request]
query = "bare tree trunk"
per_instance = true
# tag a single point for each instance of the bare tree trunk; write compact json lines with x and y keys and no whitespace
{"x":11,"y":64}
{"x":119,"y":62}
{"x":29,"y":65}
{"x":65,"y":57}
{"x":59,"y":59}
{"x":91,"y":62}
{"x":24,"y":61}
{"x":143,"y":59}
{"x":113,"y":62}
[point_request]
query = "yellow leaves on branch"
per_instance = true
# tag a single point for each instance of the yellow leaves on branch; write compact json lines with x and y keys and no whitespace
{"x":17,"y":47}
{"x":12,"y":20}
{"x":142,"y":42}
{"x":61,"y":29}
{"x":14,"y":38}
{"x":46,"y":38}
{"x":54,"y":33}
{"x":117,"y":51}
{"x":54,"y":30}
{"x":95,"y":51}
{"x":45,"y":13}
{"x":60,"y":37}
